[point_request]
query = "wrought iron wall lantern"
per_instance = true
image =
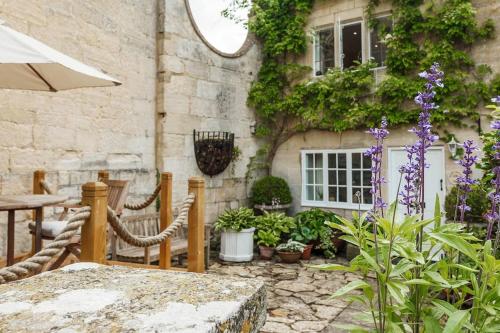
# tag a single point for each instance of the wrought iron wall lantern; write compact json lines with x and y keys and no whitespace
{"x":213,"y":151}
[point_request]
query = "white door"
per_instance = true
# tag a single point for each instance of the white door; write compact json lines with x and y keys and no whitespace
{"x":433,"y":178}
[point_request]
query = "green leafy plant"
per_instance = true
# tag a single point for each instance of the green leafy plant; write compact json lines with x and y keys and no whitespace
{"x":236,"y":219}
{"x":269,"y":190}
{"x":291,"y":246}
{"x":407,"y":277}
{"x":314,"y":225}
{"x":326,"y":242}
{"x":267,"y":238}
{"x":477,"y":200}
{"x":271,"y":226}
{"x":304,"y":234}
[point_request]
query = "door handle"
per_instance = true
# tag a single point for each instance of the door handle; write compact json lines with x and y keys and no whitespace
{"x":441,"y":184}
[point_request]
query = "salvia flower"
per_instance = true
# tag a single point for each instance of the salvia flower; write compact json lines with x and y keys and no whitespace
{"x":375,"y":153}
{"x":496,"y":100}
{"x":465,"y":181}
{"x":413,"y":189}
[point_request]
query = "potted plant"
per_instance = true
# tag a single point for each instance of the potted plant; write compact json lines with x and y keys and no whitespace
{"x":322,"y":235}
{"x":305,"y":235}
{"x":237,"y":230}
{"x":270,"y":228}
{"x":267,"y":241}
{"x":271,"y":194}
{"x":291,"y":251}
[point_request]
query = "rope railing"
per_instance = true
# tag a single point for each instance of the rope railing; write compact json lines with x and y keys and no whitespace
{"x":146,"y":203}
{"x":35,"y":263}
{"x":46,"y":187}
{"x":141,"y":241}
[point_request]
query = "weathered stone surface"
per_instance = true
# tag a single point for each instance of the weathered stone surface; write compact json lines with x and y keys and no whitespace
{"x":89,"y":297}
{"x":309,"y":311}
{"x":309,"y":326}
{"x":294,"y":286}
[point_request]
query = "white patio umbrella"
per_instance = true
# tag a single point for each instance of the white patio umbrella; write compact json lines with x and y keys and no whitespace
{"x":26,"y":63}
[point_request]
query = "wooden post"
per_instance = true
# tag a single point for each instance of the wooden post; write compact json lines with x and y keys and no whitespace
{"x":103,"y":176}
{"x":165,"y":218}
{"x":93,"y":237}
{"x":38,"y":177}
{"x":196,"y":226}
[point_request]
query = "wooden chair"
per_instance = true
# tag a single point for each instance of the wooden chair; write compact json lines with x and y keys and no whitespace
{"x":149,"y":225}
{"x":117,"y":195}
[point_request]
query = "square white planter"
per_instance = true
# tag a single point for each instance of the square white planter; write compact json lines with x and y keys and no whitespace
{"x":236,"y":246}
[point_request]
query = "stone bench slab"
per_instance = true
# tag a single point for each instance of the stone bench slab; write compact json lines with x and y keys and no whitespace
{"x":87,"y":297}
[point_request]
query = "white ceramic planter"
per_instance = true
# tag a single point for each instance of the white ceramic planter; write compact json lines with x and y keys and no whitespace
{"x":236,"y":246}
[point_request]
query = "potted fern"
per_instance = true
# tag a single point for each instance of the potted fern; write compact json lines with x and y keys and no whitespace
{"x":237,"y":229}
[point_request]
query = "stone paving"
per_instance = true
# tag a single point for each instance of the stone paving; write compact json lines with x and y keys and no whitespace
{"x":298,"y":296}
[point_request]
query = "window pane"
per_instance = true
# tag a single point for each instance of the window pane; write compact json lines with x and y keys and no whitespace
{"x":309,"y":177}
{"x":367,"y":196}
{"x":309,"y":161}
{"x":367,"y":178}
{"x":342,"y":177}
{"x":325,"y":52}
{"x":318,"y":159}
{"x":342,"y":161}
{"x":310,"y":192}
{"x":351,"y":45}
{"x":356,"y":160}
{"x":367,"y":162}
{"x":378,"y":48}
{"x":319,"y":193}
{"x":354,"y":191}
{"x":332,"y":177}
{"x":332,"y":161}
{"x":342,"y":194}
{"x":319,"y":177}
{"x":332,"y":193}
{"x":356,"y":178}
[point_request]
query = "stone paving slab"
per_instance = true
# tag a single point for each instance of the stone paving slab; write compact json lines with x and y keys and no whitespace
{"x":89,"y":297}
{"x":298,"y":296}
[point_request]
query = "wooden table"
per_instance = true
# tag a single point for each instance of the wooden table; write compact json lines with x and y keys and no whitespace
{"x":11,"y":203}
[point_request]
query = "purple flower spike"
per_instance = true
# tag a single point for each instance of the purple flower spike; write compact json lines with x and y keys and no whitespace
{"x":465,"y":181}
{"x":496,"y":100}
{"x":412,"y":193}
{"x":375,"y":153}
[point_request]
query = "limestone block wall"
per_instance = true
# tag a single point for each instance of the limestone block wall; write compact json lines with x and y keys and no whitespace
{"x":202,"y":90}
{"x":73,"y":134}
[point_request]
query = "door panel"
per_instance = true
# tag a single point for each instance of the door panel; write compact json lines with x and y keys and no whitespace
{"x":433,"y":177}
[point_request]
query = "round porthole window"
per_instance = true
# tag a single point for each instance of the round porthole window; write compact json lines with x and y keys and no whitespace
{"x":227,"y":37}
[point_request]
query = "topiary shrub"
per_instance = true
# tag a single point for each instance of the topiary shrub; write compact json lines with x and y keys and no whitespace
{"x":268,"y":189}
{"x":477,"y":200}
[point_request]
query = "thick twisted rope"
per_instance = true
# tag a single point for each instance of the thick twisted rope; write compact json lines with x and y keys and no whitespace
{"x":141,"y":241}
{"x":35,"y":263}
{"x":146,"y":203}
{"x":46,"y":187}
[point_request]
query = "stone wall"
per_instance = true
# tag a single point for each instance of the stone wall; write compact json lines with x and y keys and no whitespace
{"x":73,"y":134}
{"x":202,"y":90}
{"x":287,"y":162}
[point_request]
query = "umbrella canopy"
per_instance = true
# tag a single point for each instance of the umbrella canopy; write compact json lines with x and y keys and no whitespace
{"x":26,"y":63}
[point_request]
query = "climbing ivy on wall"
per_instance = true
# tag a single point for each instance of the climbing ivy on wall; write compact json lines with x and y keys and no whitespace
{"x":287,"y":101}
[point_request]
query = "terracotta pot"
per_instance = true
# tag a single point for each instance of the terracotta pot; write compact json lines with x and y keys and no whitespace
{"x":339,"y":243}
{"x":306,"y":254}
{"x":290,"y":257}
{"x":266,"y":252}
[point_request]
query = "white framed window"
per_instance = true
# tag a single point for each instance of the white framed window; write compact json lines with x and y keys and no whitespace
{"x":331,"y":178}
{"x":324,"y":50}
{"x":378,"y":47}
{"x":351,"y":43}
